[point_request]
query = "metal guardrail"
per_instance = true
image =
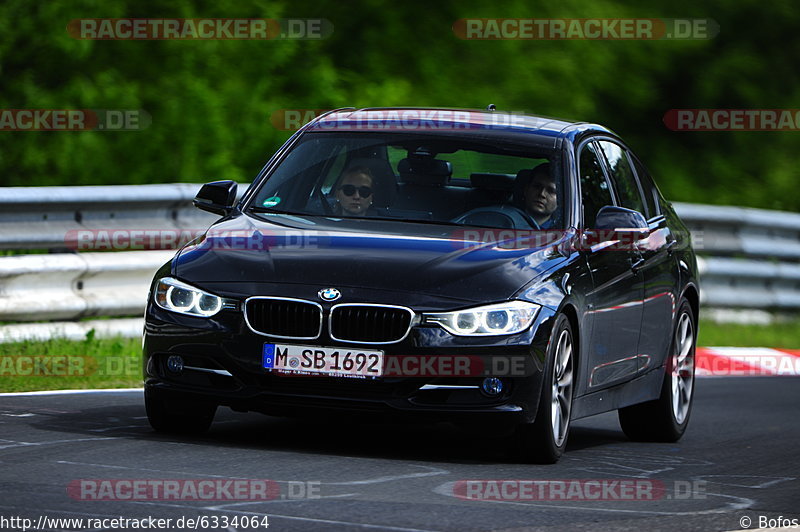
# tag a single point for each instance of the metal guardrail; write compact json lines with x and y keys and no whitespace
{"x":744,"y":232}
{"x":48,"y":217}
{"x":76,"y":285}
{"x":734,"y":283}
{"x":750,"y":258}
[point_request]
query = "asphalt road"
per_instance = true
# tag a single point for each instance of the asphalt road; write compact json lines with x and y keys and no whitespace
{"x":739,"y":459}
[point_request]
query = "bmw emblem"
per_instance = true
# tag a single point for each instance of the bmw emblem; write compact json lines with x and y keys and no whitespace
{"x":329,"y":294}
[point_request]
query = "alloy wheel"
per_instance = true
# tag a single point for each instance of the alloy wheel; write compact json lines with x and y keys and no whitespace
{"x":683,"y":368}
{"x":562,"y":388}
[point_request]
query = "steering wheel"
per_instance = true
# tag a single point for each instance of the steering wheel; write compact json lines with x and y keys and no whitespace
{"x":502,"y":216}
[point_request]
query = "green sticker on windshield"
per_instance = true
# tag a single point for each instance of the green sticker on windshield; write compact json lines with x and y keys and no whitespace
{"x":271,"y":202}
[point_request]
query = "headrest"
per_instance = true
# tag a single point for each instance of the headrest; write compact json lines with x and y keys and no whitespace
{"x":503,"y":182}
{"x":425,"y":171}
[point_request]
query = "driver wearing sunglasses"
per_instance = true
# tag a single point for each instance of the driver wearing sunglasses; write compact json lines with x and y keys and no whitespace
{"x":354,"y":194}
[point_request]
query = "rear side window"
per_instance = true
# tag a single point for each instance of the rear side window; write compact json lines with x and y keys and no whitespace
{"x":622,"y":175}
{"x":648,"y":188}
{"x":595,"y":192}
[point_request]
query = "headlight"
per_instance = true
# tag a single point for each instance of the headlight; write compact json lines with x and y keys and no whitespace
{"x":171,"y":294}
{"x":491,"y":320}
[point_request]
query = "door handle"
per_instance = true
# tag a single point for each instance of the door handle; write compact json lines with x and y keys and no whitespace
{"x":636,"y":265}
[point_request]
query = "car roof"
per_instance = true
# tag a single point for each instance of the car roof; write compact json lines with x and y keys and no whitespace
{"x":452,"y":119}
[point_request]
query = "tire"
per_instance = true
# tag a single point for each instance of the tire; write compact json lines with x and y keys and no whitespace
{"x":666,"y":418}
{"x":544,"y":441}
{"x":173,"y":414}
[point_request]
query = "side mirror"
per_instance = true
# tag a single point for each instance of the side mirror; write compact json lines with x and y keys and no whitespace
{"x":614,"y":218}
{"x":217,"y":197}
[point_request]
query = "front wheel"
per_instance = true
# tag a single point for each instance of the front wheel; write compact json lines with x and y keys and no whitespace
{"x":544,"y":441}
{"x":173,"y":414}
{"x":666,"y":418}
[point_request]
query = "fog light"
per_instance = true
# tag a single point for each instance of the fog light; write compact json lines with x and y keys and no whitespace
{"x":175,"y":364}
{"x":492,"y":386}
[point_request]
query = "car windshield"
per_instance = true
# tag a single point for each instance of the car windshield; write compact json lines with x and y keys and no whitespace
{"x":450,"y":179}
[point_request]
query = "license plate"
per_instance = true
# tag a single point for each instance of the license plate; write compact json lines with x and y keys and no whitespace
{"x":329,"y":361}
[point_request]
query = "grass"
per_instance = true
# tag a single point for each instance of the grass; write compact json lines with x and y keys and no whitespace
{"x":783,"y":335}
{"x":60,"y":364}
{"x":16,"y":252}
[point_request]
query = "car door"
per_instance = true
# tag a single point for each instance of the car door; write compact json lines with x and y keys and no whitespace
{"x":660,"y":271}
{"x":614,"y":304}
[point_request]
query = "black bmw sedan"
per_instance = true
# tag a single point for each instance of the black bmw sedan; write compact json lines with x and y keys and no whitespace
{"x":470,"y":266}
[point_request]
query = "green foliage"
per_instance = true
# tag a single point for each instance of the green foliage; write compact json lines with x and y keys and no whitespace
{"x":211,"y":101}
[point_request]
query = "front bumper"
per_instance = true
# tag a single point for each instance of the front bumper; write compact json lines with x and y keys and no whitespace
{"x":223,"y":364}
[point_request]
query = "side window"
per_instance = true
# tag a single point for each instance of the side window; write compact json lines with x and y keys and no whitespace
{"x":622,"y":175}
{"x":648,"y":187}
{"x":595,"y":193}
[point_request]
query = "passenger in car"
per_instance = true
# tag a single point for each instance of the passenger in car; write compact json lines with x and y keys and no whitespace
{"x":354,"y":195}
{"x":540,"y":196}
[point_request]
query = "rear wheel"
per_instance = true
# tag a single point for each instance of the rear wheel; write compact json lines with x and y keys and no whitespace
{"x":174,"y":414}
{"x":544,"y":441}
{"x":665,"y":419}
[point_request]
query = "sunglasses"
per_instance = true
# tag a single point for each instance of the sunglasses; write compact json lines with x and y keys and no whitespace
{"x":349,"y":190}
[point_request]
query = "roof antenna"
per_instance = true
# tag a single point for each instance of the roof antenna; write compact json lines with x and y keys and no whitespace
{"x":491,"y":107}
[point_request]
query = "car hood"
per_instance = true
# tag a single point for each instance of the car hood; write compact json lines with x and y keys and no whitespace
{"x":439,"y":260}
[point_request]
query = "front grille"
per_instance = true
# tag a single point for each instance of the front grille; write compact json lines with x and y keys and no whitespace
{"x":377,"y":324}
{"x":284,"y":318}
